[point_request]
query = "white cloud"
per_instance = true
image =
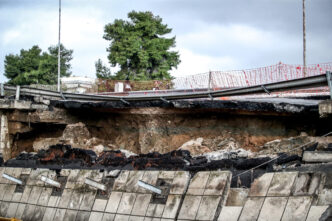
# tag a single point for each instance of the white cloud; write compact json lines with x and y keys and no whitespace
{"x":194,"y":63}
{"x":10,"y":36}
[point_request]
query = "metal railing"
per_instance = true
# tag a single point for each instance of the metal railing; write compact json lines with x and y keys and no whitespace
{"x":308,"y":82}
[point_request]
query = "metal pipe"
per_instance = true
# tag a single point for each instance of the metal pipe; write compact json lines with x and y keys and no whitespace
{"x":59,"y":53}
{"x":304,"y":41}
{"x":95,"y":184}
{"x":50,"y":181}
{"x":11,"y":178}
{"x":17,"y":96}
{"x":329,"y":81}
{"x":149,"y":187}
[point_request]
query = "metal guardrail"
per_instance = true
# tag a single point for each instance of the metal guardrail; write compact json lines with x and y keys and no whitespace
{"x":308,"y":82}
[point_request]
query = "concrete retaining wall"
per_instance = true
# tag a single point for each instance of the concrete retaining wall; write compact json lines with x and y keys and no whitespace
{"x":203,"y":196}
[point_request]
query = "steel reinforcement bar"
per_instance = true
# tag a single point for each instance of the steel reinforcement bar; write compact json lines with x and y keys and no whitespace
{"x":308,"y":82}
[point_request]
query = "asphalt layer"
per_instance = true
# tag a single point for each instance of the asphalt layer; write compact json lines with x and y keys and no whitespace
{"x":279,"y":105}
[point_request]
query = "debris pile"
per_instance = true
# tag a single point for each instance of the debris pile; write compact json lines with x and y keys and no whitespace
{"x":64,"y":156}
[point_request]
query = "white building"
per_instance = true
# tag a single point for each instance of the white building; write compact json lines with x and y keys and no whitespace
{"x":77,"y":84}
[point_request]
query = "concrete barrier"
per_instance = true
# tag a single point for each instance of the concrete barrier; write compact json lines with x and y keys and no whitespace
{"x":203,"y":196}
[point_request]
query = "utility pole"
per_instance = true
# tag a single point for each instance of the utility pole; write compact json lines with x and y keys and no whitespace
{"x":304,"y":42}
{"x":59,"y":60}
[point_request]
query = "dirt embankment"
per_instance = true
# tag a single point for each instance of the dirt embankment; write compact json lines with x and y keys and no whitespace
{"x":154,"y":129}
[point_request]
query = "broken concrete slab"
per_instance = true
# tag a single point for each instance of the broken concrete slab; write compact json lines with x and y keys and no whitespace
{"x":49,"y":214}
{"x":230,"y":213}
{"x":75,"y":199}
{"x":44,"y":197}
{"x":126,"y":203}
{"x":82,"y":216}
{"x":272,"y":208}
{"x":34,"y":195}
{"x":171,"y":207}
{"x":155,"y":210}
{"x":180,"y":182}
{"x":39,"y":213}
{"x":11,"y":211}
{"x":99,"y":205}
{"x":325,"y":197}
{"x":297,"y":208}
{"x":261,"y":185}
{"x":53,"y":201}
{"x":141,"y":204}
{"x":70,"y":215}
{"x":20,"y":211}
{"x":131,"y":183}
{"x":113,"y":202}
{"x":281,"y":184}
{"x":8,"y":192}
{"x":28,"y":212}
{"x":88,"y":200}
{"x":306,"y":184}
{"x":317,"y":156}
{"x":198,"y":183}
{"x":251,"y":209}
{"x":190,"y":207}
{"x":217,"y":182}
{"x":108,"y":217}
{"x":208,"y":207}
{"x":59,"y":215}
{"x":65,"y":198}
{"x":121,"y":217}
{"x":16,"y":197}
{"x":96,"y":216}
{"x":236,"y":197}
{"x":120,"y":182}
{"x":316,"y":212}
{"x":26,"y":194}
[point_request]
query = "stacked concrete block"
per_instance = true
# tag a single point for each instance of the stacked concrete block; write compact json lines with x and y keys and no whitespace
{"x":129,"y":201}
{"x":204,"y":195}
{"x":281,"y":196}
{"x":234,"y":204}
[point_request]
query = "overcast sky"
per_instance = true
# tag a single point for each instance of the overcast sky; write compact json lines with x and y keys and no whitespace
{"x":210,"y":34}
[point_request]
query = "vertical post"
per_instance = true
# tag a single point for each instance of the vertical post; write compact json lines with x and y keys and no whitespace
{"x":2,"y":90}
{"x":209,"y":84}
{"x":59,"y":60}
{"x":5,"y":143}
{"x":17,"y":97}
{"x":304,"y":41}
{"x":329,"y":81}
